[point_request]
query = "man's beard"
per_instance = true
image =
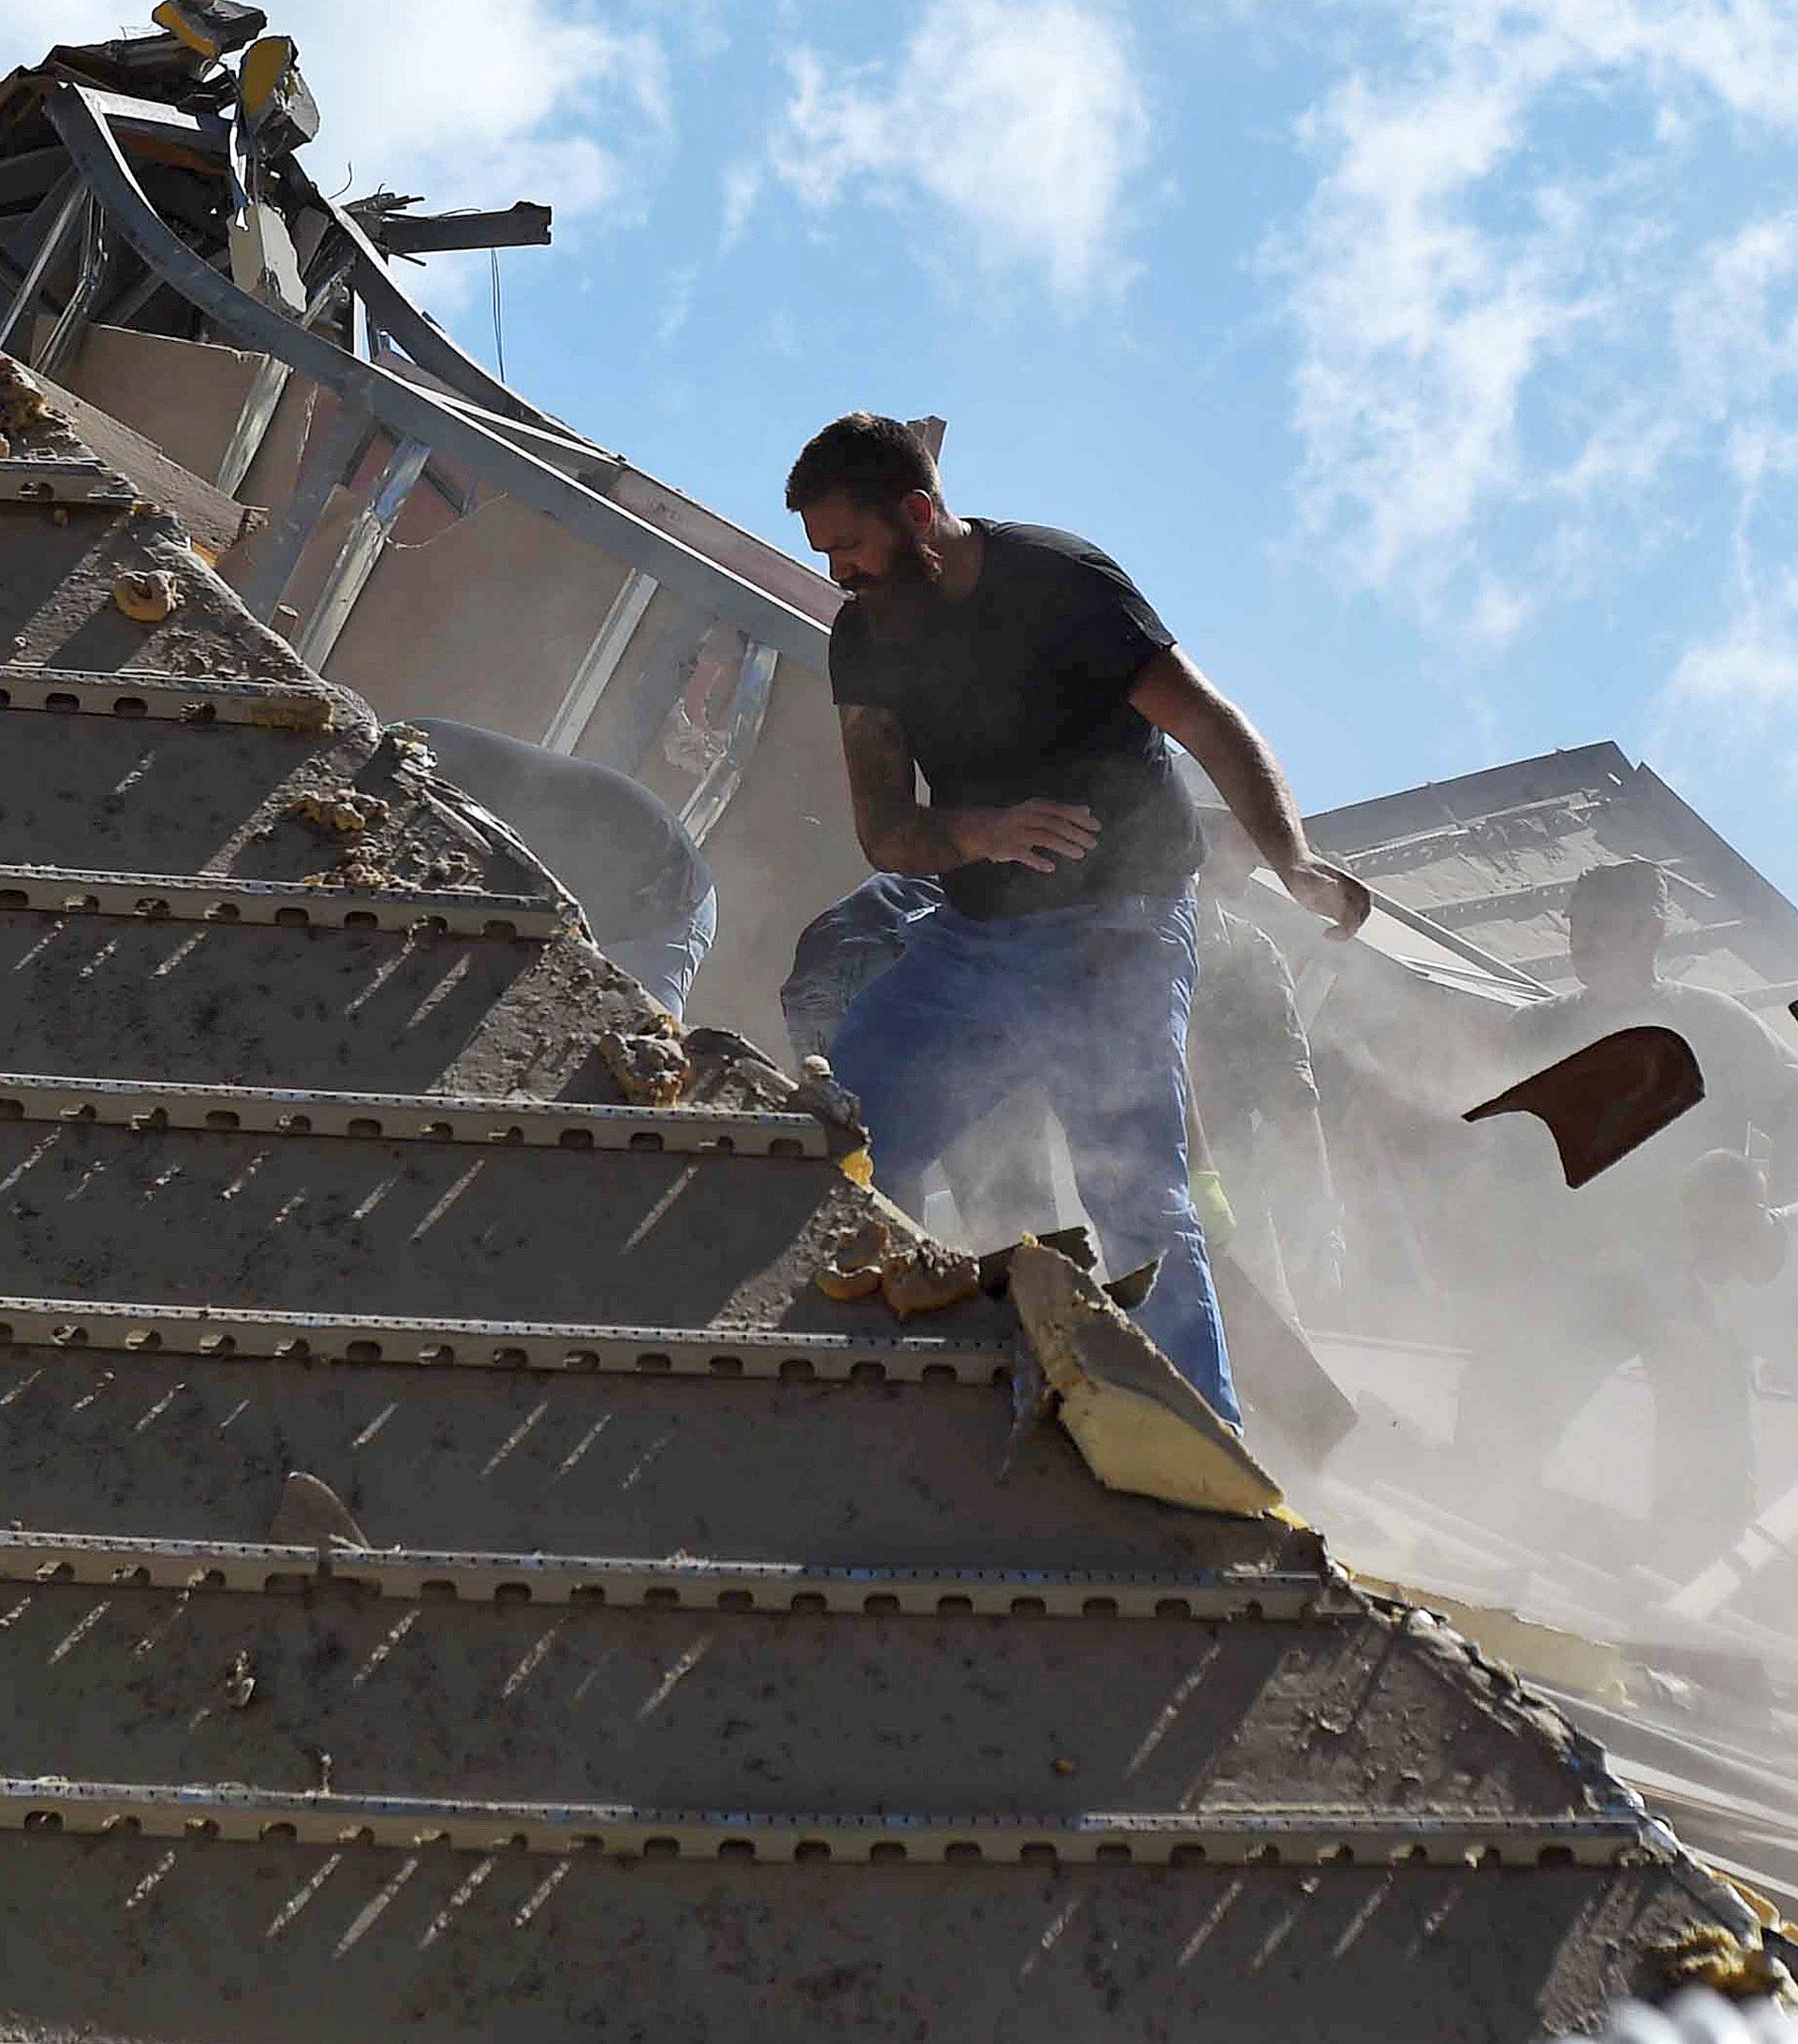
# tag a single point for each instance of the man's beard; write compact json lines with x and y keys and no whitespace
{"x":898,"y":603}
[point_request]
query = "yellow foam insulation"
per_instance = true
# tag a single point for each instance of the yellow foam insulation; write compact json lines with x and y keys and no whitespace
{"x":1139,"y":1425}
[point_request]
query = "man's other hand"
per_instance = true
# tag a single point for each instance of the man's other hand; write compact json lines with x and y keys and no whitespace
{"x":1033,"y":833}
{"x":1338,"y":897}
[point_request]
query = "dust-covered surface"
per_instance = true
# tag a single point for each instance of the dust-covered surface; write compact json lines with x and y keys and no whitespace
{"x":858,"y":1474}
{"x":199,"y":1944}
{"x":770,"y":1712}
{"x":455,"y":1230}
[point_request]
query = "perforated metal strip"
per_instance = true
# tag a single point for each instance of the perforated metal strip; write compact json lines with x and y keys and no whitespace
{"x":1302,"y":1837}
{"x":405,"y":1117}
{"x":106,"y":1560}
{"x":167,"y":697}
{"x":499,"y":1344}
{"x":295,"y":904}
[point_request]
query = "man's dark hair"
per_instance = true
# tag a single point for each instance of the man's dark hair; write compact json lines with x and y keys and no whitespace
{"x":1634,"y":883}
{"x":874,"y":461}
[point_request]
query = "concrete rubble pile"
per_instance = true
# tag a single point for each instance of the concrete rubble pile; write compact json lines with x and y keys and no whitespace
{"x":462,"y":1570}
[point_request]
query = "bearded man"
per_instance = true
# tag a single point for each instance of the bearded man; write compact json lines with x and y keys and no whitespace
{"x":1024,"y":674}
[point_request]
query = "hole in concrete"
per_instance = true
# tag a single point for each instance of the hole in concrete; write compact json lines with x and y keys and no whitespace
{"x":1099,"y":1607}
{"x":888,"y":1850}
{"x":1187,"y":1856}
{"x":292,"y":919}
{"x":60,"y":699}
{"x":129,"y":706}
{"x":43,"y":1820}
{"x":662,"y":1848}
{"x":511,"y":1592}
{"x":362,"y":1352}
{"x":1173,"y":1607}
{"x":785,"y":1146}
{"x":736,"y":1848}
{"x":1114,"y":1856}
{"x":363,"y":1125}
{"x":653,"y":1364}
{"x":576,"y":1138}
{"x":960,"y":1851}
{"x":812,"y":1849}
{"x":361,"y":919}
{"x":221,"y":1117}
{"x":727,"y":1366}
{"x":798,"y":1368}
{"x":1028,"y":1607}
{"x":224,"y":912}
{"x":646,"y":1139}
{"x":1038,"y":1852}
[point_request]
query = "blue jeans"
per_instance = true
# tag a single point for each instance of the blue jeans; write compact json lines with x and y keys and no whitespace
{"x":1091,"y":1004}
{"x":665,"y":964}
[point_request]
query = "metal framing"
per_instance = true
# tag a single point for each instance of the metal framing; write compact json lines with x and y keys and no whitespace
{"x":1229,"y":1838}
{"x":407,"y":1117}
{"x":609,"y":645}
{"x":357,"y":558}
{"x":290,"y":903}
{"x":276,"y":706}
{"x":503,"y":1344}
{"x":684,"y":1583}
{"x":91,"y":273}
{"x":405,"y":410}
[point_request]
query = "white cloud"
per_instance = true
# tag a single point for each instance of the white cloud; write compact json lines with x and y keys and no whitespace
{"x":1476,"y":317}
{"x":468,"y":103}
{"x":1023,"y":123}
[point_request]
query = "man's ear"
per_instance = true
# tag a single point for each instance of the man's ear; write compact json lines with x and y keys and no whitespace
{"x":917,"y":511}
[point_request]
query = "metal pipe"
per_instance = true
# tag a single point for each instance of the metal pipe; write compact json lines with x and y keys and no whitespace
{"x":357,"y":557}
{"x":96,"y":259}
{"x":330,"y":463}
{"x":52,"y":246}
{"x":609,"y":644}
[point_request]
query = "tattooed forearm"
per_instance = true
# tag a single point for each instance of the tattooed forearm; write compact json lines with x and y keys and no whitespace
{"x":897,"y":833}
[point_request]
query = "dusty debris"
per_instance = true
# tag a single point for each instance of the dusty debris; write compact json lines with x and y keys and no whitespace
{"x":856,"y":1256}
{"x":651,"y":1069}
{"x":1074,"y":1244}
{"x":1139,"y":1424}
{"x":344,"y":809}
{"x":311,"y":1514}
{"x":240,"y":1681}
{"x":148,"y":597}
{"x":924,"y":1278}
{"x":818,"y":1093}
{"x":1708,"y":1955}
{"x":23,"y":400}
{"x":1132,"y":1290}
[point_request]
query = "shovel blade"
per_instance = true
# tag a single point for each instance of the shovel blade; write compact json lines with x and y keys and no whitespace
{"x":1606,"y":1099}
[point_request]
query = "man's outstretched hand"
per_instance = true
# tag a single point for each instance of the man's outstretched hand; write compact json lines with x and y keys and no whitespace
{"x":1034,"y":833}
{"x":1338,"y":897}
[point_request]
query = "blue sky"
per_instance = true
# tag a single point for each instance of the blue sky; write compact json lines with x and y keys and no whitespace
{"x":1434,"y":367}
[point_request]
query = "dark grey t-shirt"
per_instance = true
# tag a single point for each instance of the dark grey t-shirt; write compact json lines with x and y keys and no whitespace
{"x":1020,"y":689}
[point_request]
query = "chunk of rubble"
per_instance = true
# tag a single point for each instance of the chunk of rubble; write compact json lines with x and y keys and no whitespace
{"x":22,"y":401}
{"x":344,"y":809}
{"x":912,"y":1274}
{"x":1137,"y":1421}
{"x":652,"y":1069}
{"x":148,"y":595}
